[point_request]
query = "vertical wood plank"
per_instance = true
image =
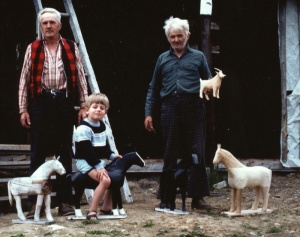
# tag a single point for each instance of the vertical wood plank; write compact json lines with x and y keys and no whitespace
{"x":282,"y":53}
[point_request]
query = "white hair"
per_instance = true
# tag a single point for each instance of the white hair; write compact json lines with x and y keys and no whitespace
{"x":176,"y":24}
{"x":53,"y":11}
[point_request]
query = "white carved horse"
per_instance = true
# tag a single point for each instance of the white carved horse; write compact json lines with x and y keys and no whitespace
{"x":36,"y":184}
{"x":213,"y":85}
{"x":241,"y":176}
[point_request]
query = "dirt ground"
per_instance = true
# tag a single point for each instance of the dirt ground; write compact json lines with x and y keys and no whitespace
{"x":143,"y":221}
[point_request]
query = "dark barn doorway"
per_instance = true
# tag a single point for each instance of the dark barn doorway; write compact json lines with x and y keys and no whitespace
{"x":124,"y":39}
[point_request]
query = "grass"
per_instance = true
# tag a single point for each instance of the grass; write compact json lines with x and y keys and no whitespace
{"x":257,"y":229}
{"x":196,"y":232}
{"x":113,"y":232}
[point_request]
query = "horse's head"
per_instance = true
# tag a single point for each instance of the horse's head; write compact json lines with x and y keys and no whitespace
{"x":58,"y":167}
{"x":218,"y":156}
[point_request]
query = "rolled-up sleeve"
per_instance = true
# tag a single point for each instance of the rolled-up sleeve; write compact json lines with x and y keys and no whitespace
{"x":24,"y":81}
{"x":81,"y":80}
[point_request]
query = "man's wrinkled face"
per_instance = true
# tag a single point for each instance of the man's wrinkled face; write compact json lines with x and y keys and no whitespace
{"x":178,"y":39}
{"x":50,"y":26}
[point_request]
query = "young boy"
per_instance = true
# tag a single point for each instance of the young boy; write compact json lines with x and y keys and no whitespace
{"x":91,"y":147}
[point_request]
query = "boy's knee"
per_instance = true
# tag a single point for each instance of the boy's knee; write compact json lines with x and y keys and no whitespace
{"x":106,"y":182}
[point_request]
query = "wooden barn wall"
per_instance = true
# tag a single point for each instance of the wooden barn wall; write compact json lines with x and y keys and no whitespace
{"x":124,"y":39}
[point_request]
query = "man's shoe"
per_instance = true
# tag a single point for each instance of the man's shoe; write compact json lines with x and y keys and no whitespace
{"x":30,"y":214}
{"x":65,"y":210}
{"x":200,"y":204}
{"x":162,"y":205}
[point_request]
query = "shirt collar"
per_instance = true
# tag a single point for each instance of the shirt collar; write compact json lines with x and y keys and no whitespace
{"x":59,"y":41}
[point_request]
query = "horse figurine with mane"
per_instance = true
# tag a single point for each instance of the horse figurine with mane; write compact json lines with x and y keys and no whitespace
{"x":241,"y":176}
{"x":116,"y":171}
{"x":36,"y":184}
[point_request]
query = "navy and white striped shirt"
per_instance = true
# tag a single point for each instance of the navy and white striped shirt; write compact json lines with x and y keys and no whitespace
{"x":91,"y":142}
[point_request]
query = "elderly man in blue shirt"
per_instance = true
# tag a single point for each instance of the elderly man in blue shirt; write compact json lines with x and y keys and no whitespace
{"x":175,"y":86}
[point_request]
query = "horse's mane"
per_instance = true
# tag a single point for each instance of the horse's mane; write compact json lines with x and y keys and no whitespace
{"x":44,"y":170}
{"x":229,"y":160}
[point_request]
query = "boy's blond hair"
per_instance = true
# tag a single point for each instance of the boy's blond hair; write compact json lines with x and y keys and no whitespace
{"x":98,"y":98}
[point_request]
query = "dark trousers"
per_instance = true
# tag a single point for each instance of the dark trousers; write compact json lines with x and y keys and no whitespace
{"x":183,"y":127}
{"x":52,"y":121}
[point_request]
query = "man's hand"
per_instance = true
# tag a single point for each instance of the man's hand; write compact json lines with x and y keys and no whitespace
{"x":149,"y":124}
{"x":81,"y":115}
{"x":25,"y":120}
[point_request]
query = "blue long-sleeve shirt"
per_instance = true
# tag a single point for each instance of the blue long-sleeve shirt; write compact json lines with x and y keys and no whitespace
{"x":176,"y":75}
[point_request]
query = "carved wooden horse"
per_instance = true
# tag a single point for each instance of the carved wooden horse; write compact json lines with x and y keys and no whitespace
{"x":36,"y":184}
{"x":169,"y":181}
{"x":241,"y":176}
{"x":116,"y":171}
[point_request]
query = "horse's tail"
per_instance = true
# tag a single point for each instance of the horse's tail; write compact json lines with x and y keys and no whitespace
{"x":9,"y":192}
{"x":270,"y":177}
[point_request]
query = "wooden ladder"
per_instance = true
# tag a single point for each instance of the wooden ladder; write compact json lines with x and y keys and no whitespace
{"x":89,"y":71}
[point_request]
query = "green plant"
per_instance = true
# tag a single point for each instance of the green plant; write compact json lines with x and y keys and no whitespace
{"x":194,"y":233}
{"x":18,"y":235}
{"x":49,"y":233}
{"x":274,"y":230}
{"x":90,"y":222}
{"x":257,"y":229}
{"x":148,"y":224}
{"x":161,"y":232}
{"x":246,"y":225}
{"x":113,"y":232}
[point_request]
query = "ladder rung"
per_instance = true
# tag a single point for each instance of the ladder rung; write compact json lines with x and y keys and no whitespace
{"x":64,"y":14}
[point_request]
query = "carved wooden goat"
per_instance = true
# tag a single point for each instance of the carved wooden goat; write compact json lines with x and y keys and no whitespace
{"x":213,"y":84}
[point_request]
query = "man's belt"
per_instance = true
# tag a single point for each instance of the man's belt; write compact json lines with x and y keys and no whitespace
{"x":52,"y":93}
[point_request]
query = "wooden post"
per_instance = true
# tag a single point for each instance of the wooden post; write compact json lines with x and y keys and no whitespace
{"x":205,"y":43}
{"x":205,"y":47}
{"x":282,"y":52}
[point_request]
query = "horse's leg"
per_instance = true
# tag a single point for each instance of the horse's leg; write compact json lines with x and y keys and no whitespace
{"x":120,"y":203}
{"x":19,"y":208}
{"x":38,"y":207}
{"x":239,"y":200}
{"x":233,"y":198}
{"x":48,"y":207}
{"x":183,"y":197}
{"x":265,"y":198}
{"x":256,"y":201}
{"x":115,"y":199}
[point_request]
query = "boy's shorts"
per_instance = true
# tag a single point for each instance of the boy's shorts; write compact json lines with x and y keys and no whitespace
{"x":83,"y":167}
